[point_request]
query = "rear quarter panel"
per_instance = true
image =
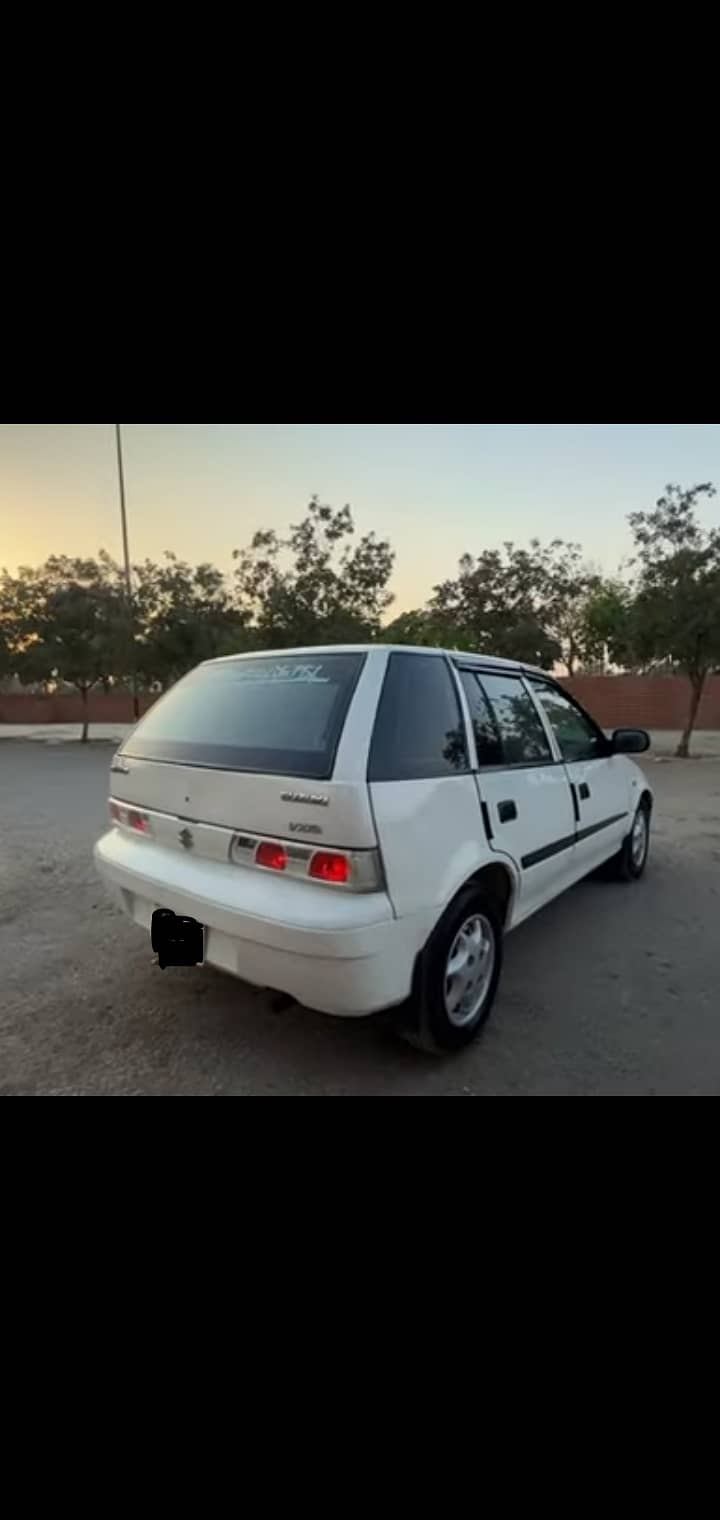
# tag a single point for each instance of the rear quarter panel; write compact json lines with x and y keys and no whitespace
{"x":432,"y":839}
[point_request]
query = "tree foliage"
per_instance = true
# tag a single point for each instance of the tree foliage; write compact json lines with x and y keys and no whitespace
{"x":566,"y":588}
{"x":675,"y":613}
{"x":18,"y":603}
{"x":525,"y":604}
{"x":70,"y":624}
{"x":427,"y":629}
{"x":607,"y":624}
{"x":183,"y":615}
{"x":317,"y":585}
{"x":70,"y":620}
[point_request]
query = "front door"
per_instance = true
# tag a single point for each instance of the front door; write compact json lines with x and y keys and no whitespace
{"x":524,"y":789}
{"x":599,"y":779}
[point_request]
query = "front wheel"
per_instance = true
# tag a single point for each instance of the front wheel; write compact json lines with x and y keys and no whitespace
{"x":457,"y":977}
{"x":630,"y":863}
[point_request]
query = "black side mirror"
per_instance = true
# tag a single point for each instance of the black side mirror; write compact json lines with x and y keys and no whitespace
{"x":630,"y":741}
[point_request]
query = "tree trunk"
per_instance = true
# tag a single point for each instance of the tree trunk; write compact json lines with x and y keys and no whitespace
{"x":698,"y":686}
{"x":86,"y":714}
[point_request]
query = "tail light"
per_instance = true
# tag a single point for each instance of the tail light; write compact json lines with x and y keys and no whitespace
{"x":130,"y":818}
{"x":331,"y":867}
{"x":139,"y":822}
{"x":273,"y":857}
{"x":355,"y":870}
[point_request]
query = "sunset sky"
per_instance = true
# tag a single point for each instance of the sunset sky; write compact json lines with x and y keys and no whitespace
{"x":436,"y":489}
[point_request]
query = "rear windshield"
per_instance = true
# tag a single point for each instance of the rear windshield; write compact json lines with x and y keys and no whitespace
{"x":281,"y":717}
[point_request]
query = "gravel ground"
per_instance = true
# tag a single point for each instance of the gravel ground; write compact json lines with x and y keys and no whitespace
{"x":611,"y":990}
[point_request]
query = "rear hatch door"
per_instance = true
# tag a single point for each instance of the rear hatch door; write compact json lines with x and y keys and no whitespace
{"x":249,"y":745}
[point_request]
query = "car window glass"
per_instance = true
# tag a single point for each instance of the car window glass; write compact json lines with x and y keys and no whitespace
{"x":487,"y":734}
{"x":577,"y":736}
{"x":419,"y":729}
{"x":524,"y":740}
{"x":280,"y":715}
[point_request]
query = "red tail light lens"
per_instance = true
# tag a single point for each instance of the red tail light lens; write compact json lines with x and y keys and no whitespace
{"x":329,"y":867}
{"x":139,"y":822}
{"x":272,"y":856}
{"x":130,"y":818}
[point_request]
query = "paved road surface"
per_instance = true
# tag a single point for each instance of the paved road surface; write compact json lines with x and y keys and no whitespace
{"x":611,"y":990}
{"x":706,"y":742}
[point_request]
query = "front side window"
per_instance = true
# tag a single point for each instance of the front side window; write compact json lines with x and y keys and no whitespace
{"x":273,"y":715}
{"x":576,"y":734}
{"x":523,"y":738}
{"x":419,"y":729}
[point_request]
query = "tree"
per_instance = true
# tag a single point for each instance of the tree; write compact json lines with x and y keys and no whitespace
{"x":20,"y":600}
{"x":183,"y":615}
{"x":121,"y":642}
{"x":72,"y":626}
{"x":676,"y":610}
{"x":565,"y":588}
{"x":314,"y":587}
{"x":430,"y":630}
{"x":497,"y":605}
{"x":607,"y":624}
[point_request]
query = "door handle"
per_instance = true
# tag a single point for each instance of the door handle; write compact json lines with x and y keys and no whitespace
{"x":507,"y":812}
{"x":584,"y":792}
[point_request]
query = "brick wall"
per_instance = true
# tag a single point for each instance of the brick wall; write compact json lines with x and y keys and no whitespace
{"x":615,"y":701}
{"x":22,"y":707}
{"x":645,"y":701}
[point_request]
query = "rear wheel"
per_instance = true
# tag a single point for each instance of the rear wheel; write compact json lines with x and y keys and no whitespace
{"x":457,"y":977}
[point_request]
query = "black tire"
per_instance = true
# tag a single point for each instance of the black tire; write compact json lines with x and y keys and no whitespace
{"x":627,"y":865}
{"x":425,"y":1020}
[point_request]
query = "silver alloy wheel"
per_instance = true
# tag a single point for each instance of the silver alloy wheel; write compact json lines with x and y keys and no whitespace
{"x":469,"y":971}
{"x":640,"y":839}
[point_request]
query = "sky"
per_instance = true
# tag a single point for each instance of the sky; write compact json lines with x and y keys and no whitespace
{"x":435,"y":489}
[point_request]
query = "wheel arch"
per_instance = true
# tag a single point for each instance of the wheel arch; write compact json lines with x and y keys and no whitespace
{"x":499,"y":881}
{"x":495,"y":877}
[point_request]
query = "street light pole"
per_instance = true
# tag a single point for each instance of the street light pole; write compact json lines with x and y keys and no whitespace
{"x":126,"y":553}
{"x":123,"y":511}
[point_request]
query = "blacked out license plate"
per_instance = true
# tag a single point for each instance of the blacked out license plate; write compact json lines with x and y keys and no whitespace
{"x":177,"y":941}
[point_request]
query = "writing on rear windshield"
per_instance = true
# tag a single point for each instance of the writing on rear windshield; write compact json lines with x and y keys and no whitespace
{"x":284,"y":675}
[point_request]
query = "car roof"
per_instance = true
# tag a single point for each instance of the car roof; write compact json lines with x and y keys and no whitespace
{"x":467,"y":657}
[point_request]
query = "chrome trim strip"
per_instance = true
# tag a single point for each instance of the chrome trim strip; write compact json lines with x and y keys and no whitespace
{"x":239,"y":848}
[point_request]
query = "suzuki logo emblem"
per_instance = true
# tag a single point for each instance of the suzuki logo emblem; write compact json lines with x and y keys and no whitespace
{"x":186,"y":839}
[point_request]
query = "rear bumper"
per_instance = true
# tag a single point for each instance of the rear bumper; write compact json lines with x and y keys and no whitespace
{"x":342,"y":953}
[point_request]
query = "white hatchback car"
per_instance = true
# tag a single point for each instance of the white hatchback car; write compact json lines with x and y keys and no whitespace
{"x":359,"y":827}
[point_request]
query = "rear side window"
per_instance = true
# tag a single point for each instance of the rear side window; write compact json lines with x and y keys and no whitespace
{"x":523,"y":738}
{"x":487,"y":733}
{"x":419,"y":729}
{"x":275,"y":716}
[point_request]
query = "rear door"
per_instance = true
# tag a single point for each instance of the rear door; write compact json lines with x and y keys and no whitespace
{"x":250,"y":744}
{"x":523,"y":787}
{"x":601,"y":782}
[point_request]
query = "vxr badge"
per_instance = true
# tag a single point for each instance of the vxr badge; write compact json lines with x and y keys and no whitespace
{"x":186,"y":839}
